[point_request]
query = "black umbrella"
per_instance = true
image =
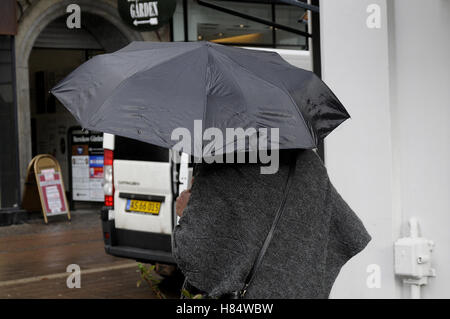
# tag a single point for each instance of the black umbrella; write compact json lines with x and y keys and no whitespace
{"x":148,"y":89}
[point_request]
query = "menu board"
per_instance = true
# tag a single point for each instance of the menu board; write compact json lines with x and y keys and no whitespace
{"x":52,"y":192}
{"x":87,"y":165}
{"x":44,"y":187}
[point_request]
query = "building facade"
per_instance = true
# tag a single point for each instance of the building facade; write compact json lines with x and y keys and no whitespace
{"x":390,"y":161}
{"x":45,"y":48}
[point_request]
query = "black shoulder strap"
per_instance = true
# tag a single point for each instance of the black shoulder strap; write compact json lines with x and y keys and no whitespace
{"x":278,"y":214}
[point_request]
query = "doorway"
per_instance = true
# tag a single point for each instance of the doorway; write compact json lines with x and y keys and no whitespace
{"x":56,"y":52}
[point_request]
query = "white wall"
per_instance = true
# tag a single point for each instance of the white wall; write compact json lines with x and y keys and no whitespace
{"x":391,"y":160}
{"x":421,"y":113}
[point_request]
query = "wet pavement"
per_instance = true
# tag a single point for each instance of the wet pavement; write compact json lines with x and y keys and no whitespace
{"x":34,"y":258}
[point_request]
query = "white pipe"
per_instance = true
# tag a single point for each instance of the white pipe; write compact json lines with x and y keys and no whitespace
{"x":414,"y":227}
{"x":414,"y":232}
{"x":415,"y":291}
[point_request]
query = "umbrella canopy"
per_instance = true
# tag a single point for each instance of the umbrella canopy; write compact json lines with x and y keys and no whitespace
{"x":148,"y":89}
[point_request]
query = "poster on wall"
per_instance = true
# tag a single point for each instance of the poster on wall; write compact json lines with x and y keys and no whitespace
{"x":96,"y":167}
{"x":87,"y":165}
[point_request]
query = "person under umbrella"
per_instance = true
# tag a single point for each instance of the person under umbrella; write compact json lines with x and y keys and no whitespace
{"x":243,"y":234}
{"x":229,"y":212}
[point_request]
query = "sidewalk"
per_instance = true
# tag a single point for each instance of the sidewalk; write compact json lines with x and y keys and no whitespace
{"x":34,"y":257}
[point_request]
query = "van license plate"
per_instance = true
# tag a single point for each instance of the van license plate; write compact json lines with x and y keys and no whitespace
{"x":143,"y":206}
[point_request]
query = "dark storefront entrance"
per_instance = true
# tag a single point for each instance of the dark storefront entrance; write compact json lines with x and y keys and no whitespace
{"x":9,"y":170}
{"x":9,"y":164}
{"x":56,"y":52}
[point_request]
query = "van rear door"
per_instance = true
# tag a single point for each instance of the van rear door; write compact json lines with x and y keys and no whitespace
{"x":143,"y":197}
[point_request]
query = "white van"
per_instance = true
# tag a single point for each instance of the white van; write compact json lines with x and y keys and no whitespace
{"x":138,"y":216}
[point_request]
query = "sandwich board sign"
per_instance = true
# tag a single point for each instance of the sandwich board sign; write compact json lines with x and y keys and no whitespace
{"x":44,"y":187}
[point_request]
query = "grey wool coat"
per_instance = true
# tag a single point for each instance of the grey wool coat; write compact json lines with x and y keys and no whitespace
{"x":230,"y":212}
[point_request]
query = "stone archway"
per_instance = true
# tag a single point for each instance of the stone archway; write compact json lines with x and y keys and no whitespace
{"x":31,"y":24}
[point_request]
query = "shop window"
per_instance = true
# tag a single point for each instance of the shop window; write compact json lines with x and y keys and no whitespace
{"x":207,"y":24}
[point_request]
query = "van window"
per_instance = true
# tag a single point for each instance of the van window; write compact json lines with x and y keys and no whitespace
{"x":134,"y":150}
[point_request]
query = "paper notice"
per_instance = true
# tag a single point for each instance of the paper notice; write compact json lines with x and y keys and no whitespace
{"x":48,"y":173}
{"x":53,"y":199}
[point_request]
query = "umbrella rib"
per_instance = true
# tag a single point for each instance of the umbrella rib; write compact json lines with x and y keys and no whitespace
{"x":237,"y":86}
{"x":246,"y":108}
{"x":283,"y":89}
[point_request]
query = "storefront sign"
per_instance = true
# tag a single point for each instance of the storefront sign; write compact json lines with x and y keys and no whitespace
{"x":145,"y":15}
{"x":87,"y":165}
